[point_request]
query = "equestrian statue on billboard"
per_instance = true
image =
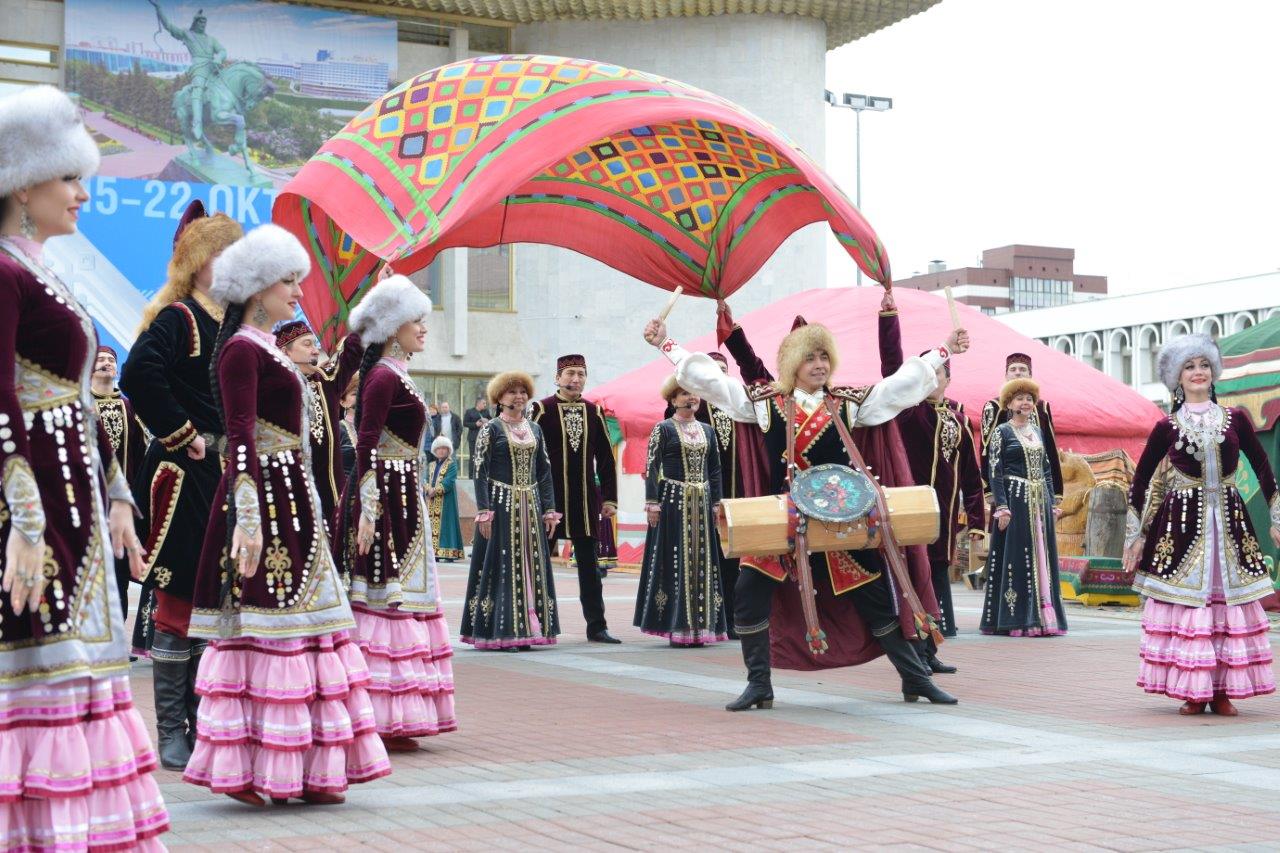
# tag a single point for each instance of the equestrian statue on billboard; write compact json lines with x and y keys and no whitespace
{"x":224,"y":95}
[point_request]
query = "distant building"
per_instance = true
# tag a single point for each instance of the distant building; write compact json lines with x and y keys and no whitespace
{"x":1120,"y":335}
{"x":281,"y":70}
{"x":355,"y":81}
{"x":1014,"y":278}
{"x":118,"y":60}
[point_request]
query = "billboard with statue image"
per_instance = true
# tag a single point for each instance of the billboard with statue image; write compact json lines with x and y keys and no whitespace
{"x":221,"y":100}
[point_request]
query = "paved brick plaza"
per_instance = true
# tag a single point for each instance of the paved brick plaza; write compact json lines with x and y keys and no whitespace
{"x":626,"y":747}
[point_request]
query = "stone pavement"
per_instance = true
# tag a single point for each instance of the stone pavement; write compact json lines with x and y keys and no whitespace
{"x":582,"y":746}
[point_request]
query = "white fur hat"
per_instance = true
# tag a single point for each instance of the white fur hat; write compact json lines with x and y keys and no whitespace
{"x":256,"y":261}
{"x":42,"y":137}
{"x":441,"y":441}
{"x":1176,"y":351}
{"x":390,"y":304}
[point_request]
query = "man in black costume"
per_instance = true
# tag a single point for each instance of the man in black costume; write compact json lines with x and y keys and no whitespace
{"x":578,"y":444}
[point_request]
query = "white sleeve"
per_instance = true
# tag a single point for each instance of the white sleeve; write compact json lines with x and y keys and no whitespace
{"x":698,"y":374}
{"x":908,"y":386}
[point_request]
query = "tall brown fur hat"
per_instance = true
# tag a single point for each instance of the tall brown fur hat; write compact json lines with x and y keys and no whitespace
{"x":199,"y":240}
{"x":803,"y":339}
{"x":504,"y":382}
{"x":1014,"y":387}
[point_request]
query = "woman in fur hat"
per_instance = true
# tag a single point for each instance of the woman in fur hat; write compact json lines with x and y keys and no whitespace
{"x":679,"y":595}
{"x":283,"y":710}
{"x":1022,"y":598}
{"x":440,"y":485}
{"x":167,"y":379}
{"x":75,"y":769}
{"x":511,"y":597}
{"x":384,"y":538}
{"x":1204,"y":632}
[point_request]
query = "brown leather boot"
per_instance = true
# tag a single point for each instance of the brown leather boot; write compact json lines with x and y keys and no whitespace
{"x":1190,"y":709}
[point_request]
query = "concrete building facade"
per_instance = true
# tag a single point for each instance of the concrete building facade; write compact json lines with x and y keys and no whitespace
{"x":1121,"y":335}
{"x":1014,"y":278}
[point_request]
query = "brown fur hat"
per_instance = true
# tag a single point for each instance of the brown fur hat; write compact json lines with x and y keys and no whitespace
{"x":200,"y":241}
{"x":803,"y":340}
{"x":1014,"y":387}
{"x":669,"y":388}
{"x":504,"y":382}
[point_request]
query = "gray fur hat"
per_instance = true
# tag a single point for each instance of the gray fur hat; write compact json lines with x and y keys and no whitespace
{"x":387,"y":306}
{"x":42,"y":137}
{"x":256,"y":261}
{"x":1176,"y":351}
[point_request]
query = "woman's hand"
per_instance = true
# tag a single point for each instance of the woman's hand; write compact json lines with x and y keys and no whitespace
{"x":247,"y":550}
{"x":550,"y":520}
{"x":1057,"y":512}
{"x":653,"y":512}
{"x":1002,"y":519}
{"x":484,"y":523}
{"x":364,"y":534}
{"x":1133,"y":553}
{"x":24,"y":578}
{"x":386,"y":272}
{"x":124,"y":538}
{"x":886,"y":302}
{"x":195,"y":450}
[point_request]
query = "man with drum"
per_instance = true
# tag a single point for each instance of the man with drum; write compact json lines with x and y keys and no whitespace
{"x":807,"y":360}
{"x":940,"y":449}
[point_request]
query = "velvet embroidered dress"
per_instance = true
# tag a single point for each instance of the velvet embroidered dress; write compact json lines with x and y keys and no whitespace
{"x":395,"y":592}
{"x":1022,"y":595}
{"x":327,"y":385}
{"x":75,"y":759}
{"x":442,"y":509}
{"x":284,"y":709}
{"x":1202,"y":570}
{"x":511,"y":596}
{"x":679,"y":597}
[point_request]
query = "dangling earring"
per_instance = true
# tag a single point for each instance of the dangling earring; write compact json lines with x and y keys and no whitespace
{"x":260,"y":315}
{"x":1179,"y":396}
{"x":26,"y":225}
{"x":394,"y":350}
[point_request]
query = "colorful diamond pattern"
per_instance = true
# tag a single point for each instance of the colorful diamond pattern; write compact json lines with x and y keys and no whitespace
{"x":687,"y":170}
{"x":459,"y":104}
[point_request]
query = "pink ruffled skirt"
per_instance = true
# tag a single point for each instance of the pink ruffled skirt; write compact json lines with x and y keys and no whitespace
{"x":689,"y":638}
{"x":1191,"y":653}
{"x":411,"y":671}
{"x":284,"y":717}
{"x":75,"y":765}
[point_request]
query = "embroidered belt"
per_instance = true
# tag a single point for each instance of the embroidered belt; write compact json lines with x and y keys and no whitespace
{"x":685,"y":484}
{"x":1179,"y":481}
{"x":529,"y":489}
{"x":1034,"y":484}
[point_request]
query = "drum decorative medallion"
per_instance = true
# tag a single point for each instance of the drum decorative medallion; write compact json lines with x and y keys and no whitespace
{"x":833,"y":493}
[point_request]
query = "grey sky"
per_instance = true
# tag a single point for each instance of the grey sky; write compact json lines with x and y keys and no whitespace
{"x":1143,"y":133}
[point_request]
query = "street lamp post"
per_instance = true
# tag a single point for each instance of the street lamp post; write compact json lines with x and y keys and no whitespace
{"x":858,"y":103}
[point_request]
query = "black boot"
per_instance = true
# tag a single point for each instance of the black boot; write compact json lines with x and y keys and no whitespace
{"x":928,"y":651}
{"x":193,"y":700}
{"x":916,"y":678}
{"x":755,"y":654}
{"x":170,"y":659}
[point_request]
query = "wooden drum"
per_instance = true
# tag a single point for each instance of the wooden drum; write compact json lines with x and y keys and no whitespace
{"x":759,"y":525}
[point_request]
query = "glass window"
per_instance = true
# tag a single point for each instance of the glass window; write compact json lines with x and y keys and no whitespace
{"x":460,"y":391}
{"x":28,"y":54}
{"x":491,"y":279}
